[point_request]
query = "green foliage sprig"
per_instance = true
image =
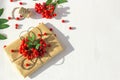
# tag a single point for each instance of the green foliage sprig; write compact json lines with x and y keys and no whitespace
{"x":3,"y":24}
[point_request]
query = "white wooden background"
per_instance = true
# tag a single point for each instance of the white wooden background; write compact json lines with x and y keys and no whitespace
{"x":92,"y":49}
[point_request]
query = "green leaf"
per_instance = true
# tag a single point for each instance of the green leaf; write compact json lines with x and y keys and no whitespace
{"x":48,"y":2}
{"x":29,"y":38}
{"x":3,"y":26}
{"x":61,"y":1}
{"x":37,"y":46}
{"x":1,"y":11}
{"x":3,"y":21}
{"x":36,"y":42}
{"x":32,"y":38}
{"x":54,"y":3}
{"x":30,"y":45}
{"x":2,"y":37}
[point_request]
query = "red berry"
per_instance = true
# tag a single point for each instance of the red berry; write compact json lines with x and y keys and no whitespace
{"x":54,"y":14}
{"x":23,"y":41}
{"x":21,"y":3}
{"x":44,"y":45}
{"x":17,"y":18}
{"x":27,"y":65}
{"x":11,"y":0}
{"x":51,"y":29}
{"x":45,"y":34}
{"x":4,"y":46}
{"x":39,"y":34}
{"x":63,"y":21}
{"x":12,"y":50}
{"x":29,"y":57}
{"x":24,"y":55}
{"x":21,"y":16}
{"x":32,"y":49}
{"x":16,"y":26}
{"x":70,"y":28}
{"x":25,"y":45}
{"x":9,"y":18}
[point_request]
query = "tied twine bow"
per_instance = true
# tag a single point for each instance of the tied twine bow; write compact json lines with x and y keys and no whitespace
{"x":32,"y":49}
{"x":24,"y":13}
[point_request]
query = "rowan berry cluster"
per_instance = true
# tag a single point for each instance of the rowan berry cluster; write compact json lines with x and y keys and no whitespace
{"x":31,"y":53}
{"x":47,"y":11}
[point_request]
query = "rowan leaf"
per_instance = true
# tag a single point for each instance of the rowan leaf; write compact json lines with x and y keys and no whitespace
{"x":1,"y":11}
{"x":30,"y":45}
{"x":36,"y":42}
{"x":61,"y":1}
{"x":2,"y":37}
{"x":2,"y":20}
{"x":54,"y":3}
{"x":48,"y":2}
{"x":37,"y":46}
{"x":32,"y":37}
{"x":3,"y":26}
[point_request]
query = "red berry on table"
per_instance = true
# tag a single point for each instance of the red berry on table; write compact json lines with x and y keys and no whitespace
{"x":63,"y":21}
{"x":4,"y":46}
{"x":70,"y":28}
{"x":17,"y":18}
{"x":9,"y":18}
{"x":21,"y":3}
{"x":16,"y":26}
